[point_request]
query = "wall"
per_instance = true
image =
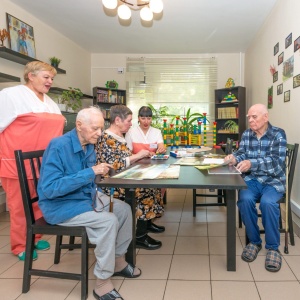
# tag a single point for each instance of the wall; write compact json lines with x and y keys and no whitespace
{"x":105,"y":67}
{"x":48,"y":42}
{"x":259,"y":57}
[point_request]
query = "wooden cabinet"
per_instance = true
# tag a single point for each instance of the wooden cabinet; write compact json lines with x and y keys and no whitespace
{"x":106,"y":98}
{"x":230,"y":113}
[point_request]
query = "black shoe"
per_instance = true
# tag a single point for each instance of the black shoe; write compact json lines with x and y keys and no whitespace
{"x":148,"y":243}
{"x":152,"y":227}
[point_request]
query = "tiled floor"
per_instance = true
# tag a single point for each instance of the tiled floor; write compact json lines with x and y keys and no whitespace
{"x":190,"y":265}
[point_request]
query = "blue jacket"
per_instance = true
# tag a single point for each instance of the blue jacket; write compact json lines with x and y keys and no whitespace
{"x":66,"y":186}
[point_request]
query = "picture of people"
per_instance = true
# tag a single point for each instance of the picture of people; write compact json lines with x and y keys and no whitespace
{"x":21,"y":36}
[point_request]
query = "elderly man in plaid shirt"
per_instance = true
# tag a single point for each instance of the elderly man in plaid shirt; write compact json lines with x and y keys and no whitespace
{"x":261,"y":159}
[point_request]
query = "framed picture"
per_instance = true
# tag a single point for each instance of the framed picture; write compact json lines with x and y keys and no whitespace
{"x":279,"y":89}
{"x":280,"y":58}
{"x":287,"y":96}
{"x":276,"y":49}
{"x":21,"y":36}
{"x":288,"y":40}
{"x":275,"y":76}
{"x":297,"y":44}
{"x":288,"y":68}
{"x":296,"y":81}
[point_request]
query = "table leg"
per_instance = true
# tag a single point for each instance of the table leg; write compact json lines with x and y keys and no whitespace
{"x":131,"y":251}
{"x":231,"y":234}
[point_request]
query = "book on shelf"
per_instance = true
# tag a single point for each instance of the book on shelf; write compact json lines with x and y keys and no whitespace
{"x":227,"y":112}
{"x":102,"y":96}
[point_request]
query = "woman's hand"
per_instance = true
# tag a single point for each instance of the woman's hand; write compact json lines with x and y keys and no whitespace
{"x":161,"y":149}
{"x":144,"y":153}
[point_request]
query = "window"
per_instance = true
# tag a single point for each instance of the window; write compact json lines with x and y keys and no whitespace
{"x":179,"y":83}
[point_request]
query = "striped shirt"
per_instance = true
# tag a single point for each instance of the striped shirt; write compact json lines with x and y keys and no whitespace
{"x":267,"y":156}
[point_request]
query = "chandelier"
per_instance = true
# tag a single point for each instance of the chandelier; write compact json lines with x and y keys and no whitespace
{"x":147,"y":7}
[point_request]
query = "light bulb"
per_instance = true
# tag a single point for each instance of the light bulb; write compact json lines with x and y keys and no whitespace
{"x":124,"y":12}
{"x":146,"y":14}
{"x":110,"y":4}
{"x":156,"y":6}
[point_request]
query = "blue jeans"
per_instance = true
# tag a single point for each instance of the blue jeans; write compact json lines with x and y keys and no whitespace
{"x":270,"y":211}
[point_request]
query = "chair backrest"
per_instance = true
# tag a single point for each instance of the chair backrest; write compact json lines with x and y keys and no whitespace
{"x":228,"y":149}
{"x":291,"y":152}
{"x":28,"y":166}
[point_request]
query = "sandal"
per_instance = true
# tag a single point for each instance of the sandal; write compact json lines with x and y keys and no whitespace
{"x":250,"y":252}
{"x":112,"y":295}
{"x":128,"y":272}
{"x":273,"y":261}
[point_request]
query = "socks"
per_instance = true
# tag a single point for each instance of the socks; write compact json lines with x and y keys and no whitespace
{"x":103,"y":286}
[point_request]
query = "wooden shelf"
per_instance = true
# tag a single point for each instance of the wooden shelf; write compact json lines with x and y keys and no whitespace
{"x":21,"y":58}
{"x":8,"y":78}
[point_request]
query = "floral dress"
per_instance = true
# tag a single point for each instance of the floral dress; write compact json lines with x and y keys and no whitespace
{"x":112,"y":149}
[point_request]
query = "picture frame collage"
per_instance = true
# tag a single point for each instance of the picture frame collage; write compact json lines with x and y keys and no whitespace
{"x":288,"y":66}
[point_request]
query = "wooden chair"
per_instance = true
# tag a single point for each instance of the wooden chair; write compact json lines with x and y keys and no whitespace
{"x":28,"y":166}
{"x":291,"y":153}
{"x":221,"y":194}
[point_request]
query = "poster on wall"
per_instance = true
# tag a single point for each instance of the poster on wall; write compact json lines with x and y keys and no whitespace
{"x":270,"y":97}
{"x":288,"y":68}
{"x":21,"y":36}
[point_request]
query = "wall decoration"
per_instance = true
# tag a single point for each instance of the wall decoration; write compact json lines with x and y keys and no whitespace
{"x":296,"y":81}
{"x":280,"y":58}
{"x":272,"y":70}
{"x":287,"y":96}
{"x":297,"y":44}
{"x":288,"y":68}
{"x":276,"y":49}
{"x":275,"y":76}
{"x":288,"y":40}
{"x":279,"y":89}
{"x":21,"y":36}
{"x":270,"y":97}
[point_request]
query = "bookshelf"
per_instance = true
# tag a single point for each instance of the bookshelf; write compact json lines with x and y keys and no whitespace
{"x":230,"y":113}
{"x":106,"y":98}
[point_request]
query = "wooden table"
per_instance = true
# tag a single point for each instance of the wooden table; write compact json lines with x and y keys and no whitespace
{"x":189,"y":178}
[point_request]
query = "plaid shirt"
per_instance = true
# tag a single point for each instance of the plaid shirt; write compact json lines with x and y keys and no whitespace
{"x":267,"y":156}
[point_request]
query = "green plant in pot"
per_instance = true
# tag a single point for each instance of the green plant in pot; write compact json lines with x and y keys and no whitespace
{"x":54,"y":61}
{"x":158,"y":114}
{"x":231,"y":126}
{"x":72,"y":98}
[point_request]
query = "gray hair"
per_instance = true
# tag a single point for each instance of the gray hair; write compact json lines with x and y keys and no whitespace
{"x":85,"y":114}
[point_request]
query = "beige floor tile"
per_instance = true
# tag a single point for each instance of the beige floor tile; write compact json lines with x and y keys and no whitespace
{"x":218,"y":265}
{"x":4,"y":244}
{"x":217,"y":229}
{"x":279,"y":290}
{"x":179,"y":290}
{"x":143,"y":289}
{"x":216,"y":216}
{"x":217,"y":245}
{"x":187,"y":216}
{"x":10,"y":289}
{"x":172,"y":212}
{"x":4,"y":217}
{"x":193,"y":229}
{"x":191,"y":245}
{"x":261,"y":274}
{"x":168,"y":245}
{"x":190,"y":267}
{"x":49,"y":289}
{"x":293,"y":250}
{"x":3,"y":225}
{"x":234,"y":290}
{"x":294,"y":264}
{"x":176,"y":192}
{"x":7,"y":261}
{"x":5,"y":230}
{"x":153,"y":266}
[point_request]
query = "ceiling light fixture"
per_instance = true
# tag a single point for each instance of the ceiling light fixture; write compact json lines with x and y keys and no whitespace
{"x":147,"y":7}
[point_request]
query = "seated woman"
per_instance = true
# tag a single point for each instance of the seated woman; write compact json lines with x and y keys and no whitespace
{"x":111,"y":148}
{"x":146,"y":137}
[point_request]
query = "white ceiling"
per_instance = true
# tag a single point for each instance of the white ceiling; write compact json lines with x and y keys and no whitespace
{"x":185,"y":26}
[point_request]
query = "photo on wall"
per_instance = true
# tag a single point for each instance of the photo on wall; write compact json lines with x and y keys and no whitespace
{"x":276,"y":49}
{"x":280,"y":58}
{"x":296,"y":81}
{"x":287,"y":96}
{"x":275,"y":76}
{"x":288,"y":68}
{"x":288,"y":40}
{"x":279,"y":89}
{"x":21,"y":36}
{"x":297,"y":44}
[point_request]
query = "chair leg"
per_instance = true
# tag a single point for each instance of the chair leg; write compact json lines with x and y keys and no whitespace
{"x":194,"y":202}
{"x":28,"y":262}
{"x":84,"y":267}
{"x":240,"y":220}
{"x":291,"y":228}
{"x":220,"y":196}
{"x":72,"y":241}
{"x":57,"y":249}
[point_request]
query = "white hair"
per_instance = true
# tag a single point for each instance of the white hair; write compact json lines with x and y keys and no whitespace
{"x":85,"y":114}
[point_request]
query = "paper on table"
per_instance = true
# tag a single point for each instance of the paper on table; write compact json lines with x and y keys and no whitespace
{"x":214,"y":161}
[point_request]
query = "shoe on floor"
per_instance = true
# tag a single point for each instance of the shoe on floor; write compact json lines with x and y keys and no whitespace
{"x":273,"y":261}
{"x":21,"y":255}
{"x":42,"y":245}
{"x":148,"y":243}
{"x":250,"y":252}
{"x":154,"y":228}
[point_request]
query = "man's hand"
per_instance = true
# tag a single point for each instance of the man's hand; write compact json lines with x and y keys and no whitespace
{"x":102,"y":168}
{"x":231,"y":159}
{"x":243,"y":166}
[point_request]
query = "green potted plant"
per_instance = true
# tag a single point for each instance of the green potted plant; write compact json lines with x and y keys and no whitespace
{"x":158,"y":115}
{"x":231,"y":126}
{"x":72,"y":98}
{"x":54,"y":61}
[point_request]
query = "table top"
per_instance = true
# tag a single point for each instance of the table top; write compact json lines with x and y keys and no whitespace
{"x":189,"y":177}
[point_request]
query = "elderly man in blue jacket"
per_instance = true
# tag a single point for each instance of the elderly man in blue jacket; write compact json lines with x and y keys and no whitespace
{"x":68,"y":196}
